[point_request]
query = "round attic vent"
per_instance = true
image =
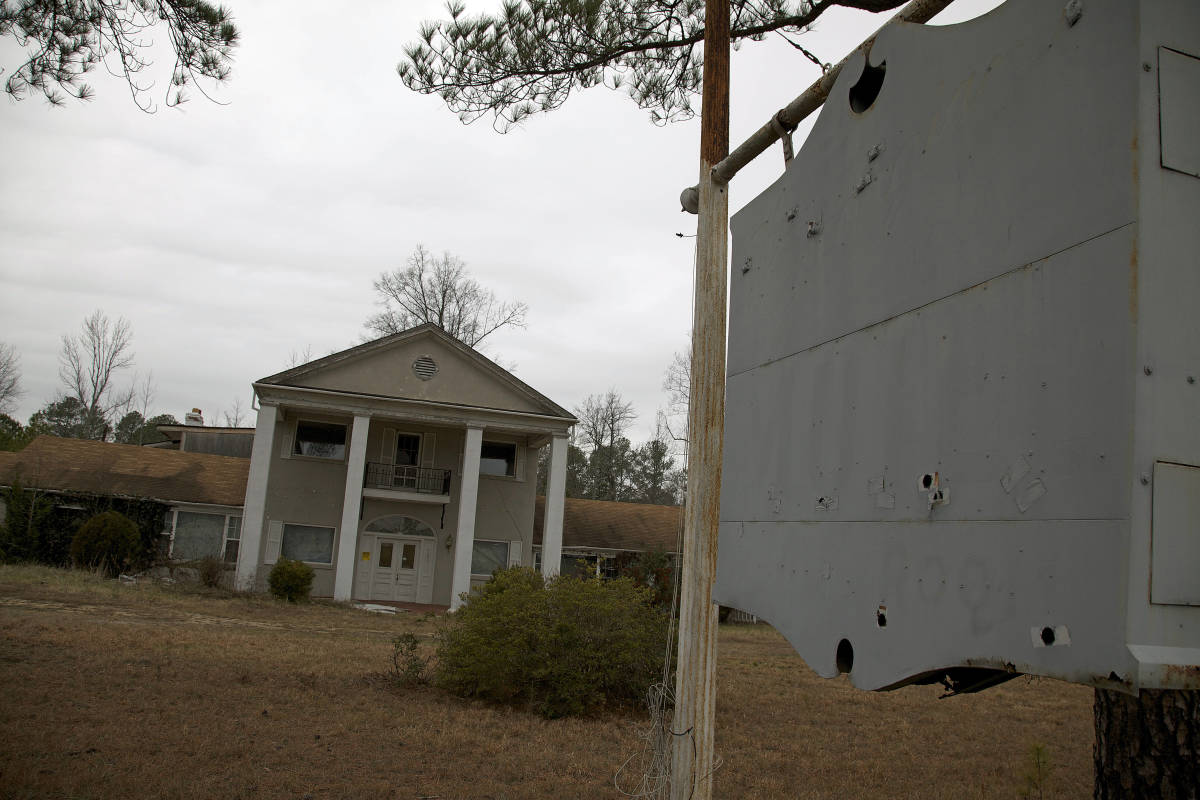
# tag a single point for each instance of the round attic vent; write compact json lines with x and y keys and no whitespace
{"x":425,"y":368}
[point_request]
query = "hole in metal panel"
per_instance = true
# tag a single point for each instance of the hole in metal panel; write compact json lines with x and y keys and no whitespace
{"x":863,"y":93}
{"x":1047,"y":636}
{"x":845,"y":656}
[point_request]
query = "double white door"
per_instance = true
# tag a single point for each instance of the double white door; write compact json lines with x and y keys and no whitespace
{"x":403,"y":569}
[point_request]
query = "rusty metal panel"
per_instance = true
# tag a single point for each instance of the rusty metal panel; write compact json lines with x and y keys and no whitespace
{"x":959,"y":340}
{"x":1179,"y":110}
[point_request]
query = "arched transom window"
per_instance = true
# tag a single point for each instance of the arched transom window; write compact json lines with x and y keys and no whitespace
{"x":400,"y":525}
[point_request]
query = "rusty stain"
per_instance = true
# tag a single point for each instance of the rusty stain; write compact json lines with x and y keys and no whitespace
{"x":1182,"y":676}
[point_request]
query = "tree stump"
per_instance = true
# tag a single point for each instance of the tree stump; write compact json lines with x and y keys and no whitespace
{"x":1147,"y":746}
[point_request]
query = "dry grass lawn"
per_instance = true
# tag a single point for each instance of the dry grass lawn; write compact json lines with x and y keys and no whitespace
{"x":115,"y":691}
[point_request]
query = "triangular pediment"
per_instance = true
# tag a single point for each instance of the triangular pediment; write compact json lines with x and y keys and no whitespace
{"x":423,"y":364}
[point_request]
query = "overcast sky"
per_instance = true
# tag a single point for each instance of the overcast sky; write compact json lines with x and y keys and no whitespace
{"x":232,"y":236}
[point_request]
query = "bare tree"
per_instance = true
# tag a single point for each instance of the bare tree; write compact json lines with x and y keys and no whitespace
{"x":10,"y":378}
{"x":677,"y":383}
{"x":440,"y":291}
{"x":233,"y":417}
{"x":89,"y":361}
{"x":603,"y":419}
{"x":298,"y":357}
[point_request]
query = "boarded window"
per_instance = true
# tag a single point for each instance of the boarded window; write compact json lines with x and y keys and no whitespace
{"x":308,"y":543}
{"x":320,"y":440}
{"x":487,"y":557}
{"x":198,"y":535}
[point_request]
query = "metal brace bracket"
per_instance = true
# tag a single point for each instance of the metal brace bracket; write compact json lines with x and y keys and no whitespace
{"x":785,"y":136}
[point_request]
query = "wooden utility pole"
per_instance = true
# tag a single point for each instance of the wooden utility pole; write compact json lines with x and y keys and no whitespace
{"x":695,"y":679}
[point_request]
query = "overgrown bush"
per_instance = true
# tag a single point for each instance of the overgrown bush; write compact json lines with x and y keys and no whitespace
{"x":40,"y":529}
{"x":290,"y":580}
{"x":210,"y":570}
{"x":108,"y":542}
{"x":654,"y":569}
{"x":565,"y":647}
{"x":409,"y":667}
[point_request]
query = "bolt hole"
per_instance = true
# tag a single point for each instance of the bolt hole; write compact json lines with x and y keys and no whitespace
{"x":845,"y":656}
{"x":1047,"y":636}
{"x":863,"y":93}
{"x":927,"y":481}
{"x":881,"y":618}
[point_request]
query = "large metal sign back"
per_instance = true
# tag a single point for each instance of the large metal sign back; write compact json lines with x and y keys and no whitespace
{"x":963,"y":403}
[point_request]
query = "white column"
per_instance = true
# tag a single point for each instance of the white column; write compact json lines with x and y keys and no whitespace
{"x":464,"y":539}
{"x":552,"y":522}
{"x":356,"y":464}
{"x":254,"y":511}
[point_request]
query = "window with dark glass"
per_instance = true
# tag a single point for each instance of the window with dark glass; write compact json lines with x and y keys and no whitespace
{"x":320,"y":440}
{"x":408,"y":448}
{"x":498,"y":458}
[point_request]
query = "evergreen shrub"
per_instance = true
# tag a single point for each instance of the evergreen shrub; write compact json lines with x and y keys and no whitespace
{"x":290,"y":580}
{"x":564,"y":647}
{"x":109,"y":542}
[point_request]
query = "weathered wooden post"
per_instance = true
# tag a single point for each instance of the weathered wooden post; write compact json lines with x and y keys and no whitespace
{"x":695,"y":680}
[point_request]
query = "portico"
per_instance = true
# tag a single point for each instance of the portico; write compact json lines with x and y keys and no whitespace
{"x":373,"y":465}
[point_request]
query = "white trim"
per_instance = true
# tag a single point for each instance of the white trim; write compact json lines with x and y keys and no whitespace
{"x":262,"y":453}
{"x":424,"y":411}
{"x":468,"y":498}
{"x":552,"y":524}
{"x":347,"y":543}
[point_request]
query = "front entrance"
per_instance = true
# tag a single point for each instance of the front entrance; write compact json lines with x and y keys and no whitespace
{"x":403,"y":570}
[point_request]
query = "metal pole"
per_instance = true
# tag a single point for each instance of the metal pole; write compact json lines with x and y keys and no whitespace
{"x":791,"y":115}
{"x":695,"y":678}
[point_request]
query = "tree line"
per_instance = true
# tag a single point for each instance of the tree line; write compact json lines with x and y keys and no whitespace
{"x":92,"y":402}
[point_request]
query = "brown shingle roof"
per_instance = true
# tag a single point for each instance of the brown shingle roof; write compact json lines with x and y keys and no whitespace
{"x":125,"y":470}
{"x":605,"y":525}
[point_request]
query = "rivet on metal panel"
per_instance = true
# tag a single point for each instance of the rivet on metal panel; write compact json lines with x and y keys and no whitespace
{"x":1148,"y":369}
{"x":747,"y":265}
{"x":1145,"y":478}
{"x":1146,"y":66}
{"x":791,"y":215}
{"x":1191,"y":379}
{"x":863,"y":182}
{"x":1072,"y":11}
{"x":874,"y":152}
{"x":814,"y":228}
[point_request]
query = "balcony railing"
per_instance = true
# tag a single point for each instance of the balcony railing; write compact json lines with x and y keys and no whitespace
{"x":425,"y":480}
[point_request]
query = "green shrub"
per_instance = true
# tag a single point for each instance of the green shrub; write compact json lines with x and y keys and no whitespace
{"x":409,"y":667}
{"x":290,"y":580}
{"x":210,"y":570}
{"x":565,"y":647}
{"x":109,"y":542}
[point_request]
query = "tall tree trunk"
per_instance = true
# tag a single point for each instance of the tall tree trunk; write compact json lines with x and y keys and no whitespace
{"x":1147,"y":746}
